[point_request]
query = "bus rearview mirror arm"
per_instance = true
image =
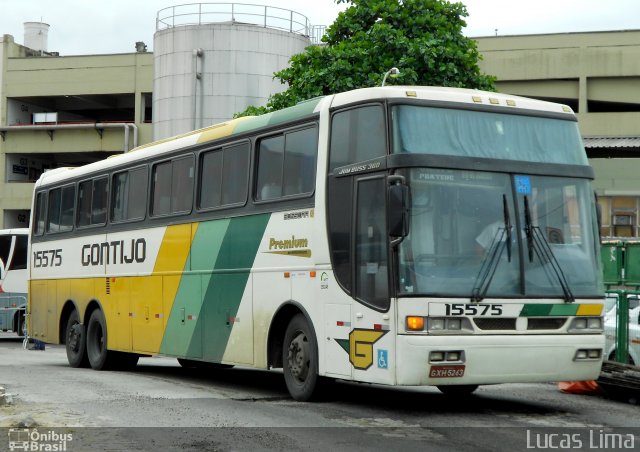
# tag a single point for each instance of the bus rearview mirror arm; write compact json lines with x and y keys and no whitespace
{"x":398,"y":211}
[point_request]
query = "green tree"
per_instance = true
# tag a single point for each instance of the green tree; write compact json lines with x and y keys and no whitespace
{"x":422,"y":38}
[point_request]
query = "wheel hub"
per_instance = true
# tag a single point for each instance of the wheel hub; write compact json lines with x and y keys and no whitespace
{"x":75,"y":335}
{"x":299,"y":357}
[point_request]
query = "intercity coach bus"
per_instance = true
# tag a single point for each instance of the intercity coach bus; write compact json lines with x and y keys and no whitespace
{"x":13,"y":279}
{"x":390,"y":235}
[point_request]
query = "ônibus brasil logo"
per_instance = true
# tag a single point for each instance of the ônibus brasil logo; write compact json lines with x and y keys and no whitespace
{"x":29,"y":439}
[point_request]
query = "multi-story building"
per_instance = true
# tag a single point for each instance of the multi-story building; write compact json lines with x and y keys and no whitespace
{"x":209,"y":61}
{"x":598,"y":75}
{"x":65,"y":111}
{"x":71,"y":110}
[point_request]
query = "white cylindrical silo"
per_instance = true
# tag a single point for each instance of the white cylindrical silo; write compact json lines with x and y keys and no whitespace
{"x":36,"y":36}
{"x":207,"y":68}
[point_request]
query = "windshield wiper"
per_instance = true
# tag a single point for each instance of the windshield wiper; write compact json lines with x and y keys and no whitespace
{"x":536,"y":242}
{"x":507,"y":223}
{"x":492,"y":259}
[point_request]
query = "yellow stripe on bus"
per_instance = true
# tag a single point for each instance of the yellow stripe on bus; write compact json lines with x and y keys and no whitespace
{"x":152,"y":297}
{"x":589,"y":309}
{"x":220,"y":130}
{"x":172,"y":258}
{"x":175,"y":248}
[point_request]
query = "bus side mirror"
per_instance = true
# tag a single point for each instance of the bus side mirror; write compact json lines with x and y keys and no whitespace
{"x":398,"y":211}
{"x":599,"y":218}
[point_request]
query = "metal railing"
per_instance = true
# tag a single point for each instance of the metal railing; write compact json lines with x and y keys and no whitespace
{"x":207,"y":13}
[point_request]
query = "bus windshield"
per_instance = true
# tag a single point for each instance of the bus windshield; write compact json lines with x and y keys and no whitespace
{"x":482,"y":234}
{"x":468,"y":133}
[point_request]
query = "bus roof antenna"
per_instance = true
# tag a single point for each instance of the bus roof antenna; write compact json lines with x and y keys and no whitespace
{"x":393,"y":72}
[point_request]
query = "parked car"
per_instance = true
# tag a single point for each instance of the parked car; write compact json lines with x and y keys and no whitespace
{"x":610,"y":328}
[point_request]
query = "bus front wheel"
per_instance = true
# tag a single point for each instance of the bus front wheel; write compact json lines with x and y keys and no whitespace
{"x":75,"y":342}
{"x":300,"y":353}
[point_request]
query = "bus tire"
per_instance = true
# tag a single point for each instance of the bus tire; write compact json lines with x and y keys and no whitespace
{"x":75,"y":342}
{"x":21,"y":325}
{"x":99,"y":357}
{"x":612,"y":357}
{"x":300,"y":359}
{"x":457,"y":390}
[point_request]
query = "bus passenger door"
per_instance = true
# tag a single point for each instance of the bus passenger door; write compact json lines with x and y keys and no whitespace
{"x":371,"y":341}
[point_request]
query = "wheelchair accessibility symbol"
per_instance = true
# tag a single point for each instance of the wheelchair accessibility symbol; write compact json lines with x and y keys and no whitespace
{"x":383,"y":361}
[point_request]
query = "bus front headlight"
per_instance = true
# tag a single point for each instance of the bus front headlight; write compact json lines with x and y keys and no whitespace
{"x":586,"y":325}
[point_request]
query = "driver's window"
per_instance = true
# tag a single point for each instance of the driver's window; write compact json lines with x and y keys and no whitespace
{"x":372,"y":280}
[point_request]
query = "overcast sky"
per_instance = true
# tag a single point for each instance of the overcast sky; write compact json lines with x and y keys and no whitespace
{"x":90,"y":26}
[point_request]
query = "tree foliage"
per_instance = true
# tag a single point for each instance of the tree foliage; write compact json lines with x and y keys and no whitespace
{"x":422,"y":38}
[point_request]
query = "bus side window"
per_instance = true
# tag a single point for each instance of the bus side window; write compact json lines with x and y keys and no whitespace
{"x":5,"y":248}
{"x":286,"y":164}
{"x":182,"y":185}
{"x":137,"y":194}
{"x":67,"y":208}
{"x":161,"y":189}
{"x":224,"y":175}
{"x":211,"y":175}
{"x":53,"y":210}
{"x":19,"y":259}
{"x":173,"y":186}
{"x":39,"y":220}
{"x":84,"y":203}
{"x":372,"y":282}
{"x":270,"y":160}
{"x":300,"y":150}
{"x":129,"y":195}
{"x":357,"y":134}
{"x":99,"y":202}
{"x":92,"y":202}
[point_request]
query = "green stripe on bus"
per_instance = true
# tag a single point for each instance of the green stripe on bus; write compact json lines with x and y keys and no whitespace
{"x":210,"y":291}
{"x":227,"y":285}
{"x":548,"y":310}
{"x":181,"y":331}
{"x":278,"y":117}
{"x":564,"y":309}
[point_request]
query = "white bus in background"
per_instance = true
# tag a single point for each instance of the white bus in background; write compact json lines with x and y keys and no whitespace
{"x":13,"y":279}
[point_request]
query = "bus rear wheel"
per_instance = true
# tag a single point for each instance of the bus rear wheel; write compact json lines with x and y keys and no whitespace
{"x":99,"y":356}
{"x":75,"y":342}
{"x":300,"y":353}
{"x":21,"y":328}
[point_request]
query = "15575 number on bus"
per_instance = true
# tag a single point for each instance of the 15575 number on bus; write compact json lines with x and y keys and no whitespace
{"x":47,"y":258}
{"x":455,"y":309}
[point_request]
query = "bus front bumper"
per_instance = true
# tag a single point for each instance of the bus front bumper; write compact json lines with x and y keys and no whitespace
{"x":431,"y":360}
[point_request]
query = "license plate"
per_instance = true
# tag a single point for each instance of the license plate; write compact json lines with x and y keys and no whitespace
{"x":443,"y":371}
